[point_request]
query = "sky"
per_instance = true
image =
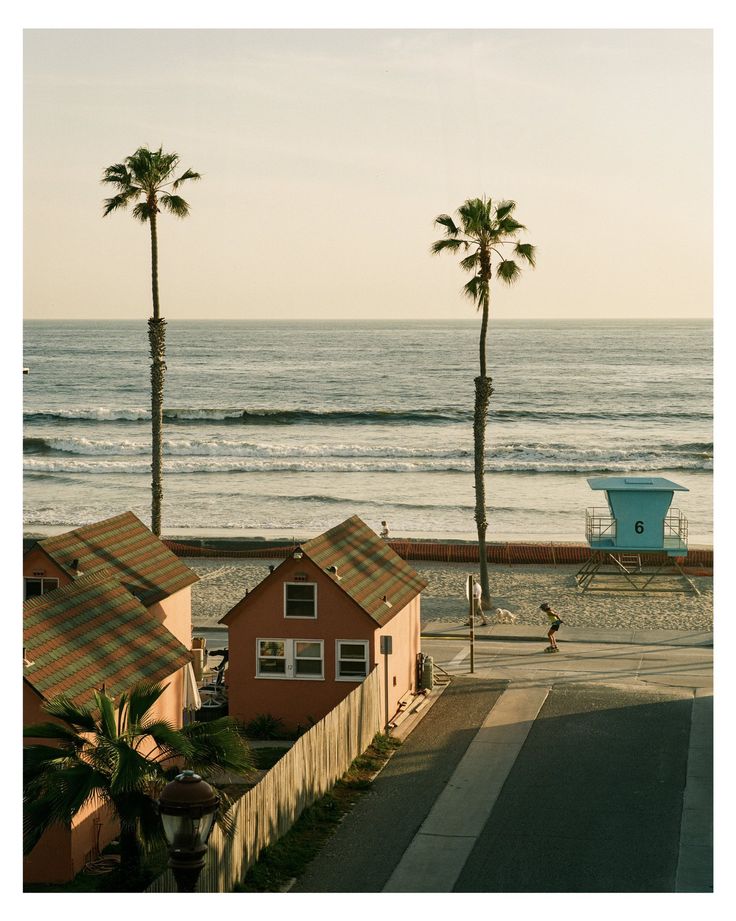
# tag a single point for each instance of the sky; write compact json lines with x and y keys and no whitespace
{"x":326,"y":155}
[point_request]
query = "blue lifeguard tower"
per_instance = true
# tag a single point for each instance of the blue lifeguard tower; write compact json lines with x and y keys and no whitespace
{"x":637,"y":538}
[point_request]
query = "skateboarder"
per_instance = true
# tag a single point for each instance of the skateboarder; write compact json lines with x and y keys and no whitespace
{"x":554,"y":625}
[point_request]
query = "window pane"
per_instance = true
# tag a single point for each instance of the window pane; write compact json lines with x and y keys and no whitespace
{"x":351,"y":669}
{"x":300,"y":592}
{"x":352,"y":651}
{"x":300,"y":600}
{"x":299,"y":608}
{"x":50,"y":584}
{"x":271,"y":667}
{"x":308,"y":666}
{"x":310,"y":650}
{"x":272,"y":648}
{"x":33,"y":587}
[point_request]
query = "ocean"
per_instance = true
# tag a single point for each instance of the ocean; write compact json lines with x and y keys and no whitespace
{"x":286,"y":428}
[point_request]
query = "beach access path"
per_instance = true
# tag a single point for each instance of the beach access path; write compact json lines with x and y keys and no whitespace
{"x":589,"y":770}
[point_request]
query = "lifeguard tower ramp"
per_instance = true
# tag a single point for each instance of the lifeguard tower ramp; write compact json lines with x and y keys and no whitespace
{"x":637,"y":539}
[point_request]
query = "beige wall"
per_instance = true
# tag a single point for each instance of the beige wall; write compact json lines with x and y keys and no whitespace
{"x":175,"y":613}
{"x":405,"y":630}
{"x":302,"y":701}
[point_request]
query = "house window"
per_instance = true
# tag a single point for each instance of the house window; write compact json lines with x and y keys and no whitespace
{"x":308,"y":659}
{"x":272,"y":658}
{"x":290,"y":659}
{"x":300,"y":600}
{"x":39,"y":586}
{"x":352,"y":660}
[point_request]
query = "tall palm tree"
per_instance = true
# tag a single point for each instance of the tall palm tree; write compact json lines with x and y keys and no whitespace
{"x":487,"y":231}
{"x":116,"y":753}
{"x":147,"y":178}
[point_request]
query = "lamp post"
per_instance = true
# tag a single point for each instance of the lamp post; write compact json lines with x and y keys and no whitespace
{"x":187,"y":807}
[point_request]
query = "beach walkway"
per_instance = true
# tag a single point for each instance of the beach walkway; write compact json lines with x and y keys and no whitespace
{"x":585,"y":771}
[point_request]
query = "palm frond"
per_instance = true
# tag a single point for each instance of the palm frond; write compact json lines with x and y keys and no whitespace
{"x":64,"y":708}
{"x":475,"y":217}
{"x":170,"y":741}
{"x":57,"y":732}
{"x":118,"y":201}
{"x":140,"y":699}
{"x":470,"y":263}
{"x":528,"y":252}
{"x":142,"y":212}
{"x":472,"y":288}
{"x":175,"y":204}
{"x":508,"y":270}
{"x":446,"y":221}
{"x":108,"y":724}
{"x":118,"y":175}
{"x":509,"y":226}
{"x":219,"y":742}
{"x":187,"y":174}
{"x":130,"y":770}
{"x":448,"y":243}
{"x":503,"y":209}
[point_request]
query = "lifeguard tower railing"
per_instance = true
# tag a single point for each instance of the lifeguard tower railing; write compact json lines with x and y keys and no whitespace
{"x":600,"y":529}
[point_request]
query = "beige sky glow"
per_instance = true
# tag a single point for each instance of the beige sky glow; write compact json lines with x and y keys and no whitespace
{"x":327,"y":154}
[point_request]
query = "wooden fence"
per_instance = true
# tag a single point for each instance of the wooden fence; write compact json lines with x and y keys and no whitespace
{"x":306,"y":772}
{"x":503,"y":552}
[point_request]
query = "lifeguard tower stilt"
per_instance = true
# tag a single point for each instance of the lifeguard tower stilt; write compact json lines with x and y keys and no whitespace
{"x":638,"y":523}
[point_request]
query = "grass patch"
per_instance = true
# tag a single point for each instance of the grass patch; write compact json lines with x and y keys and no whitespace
{"x":289,"y":856}
{"x":265,"y":758}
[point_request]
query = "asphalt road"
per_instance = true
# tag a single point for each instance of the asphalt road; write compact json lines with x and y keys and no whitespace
{"x":594,"y":800}
{"x":371,"y":840}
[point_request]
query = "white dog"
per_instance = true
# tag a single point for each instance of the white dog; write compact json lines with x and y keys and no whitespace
{"x":505,"y":617}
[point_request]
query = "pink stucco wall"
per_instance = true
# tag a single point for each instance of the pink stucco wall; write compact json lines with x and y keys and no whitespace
{"x":61,"y":853}
{"x":301,"y":701}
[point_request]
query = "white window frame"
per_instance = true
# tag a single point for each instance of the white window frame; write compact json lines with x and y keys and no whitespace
{"x":300,"y":616}
{"x":354,"y":678}
{"x":42,"y":580}
{"x":290,"y":658}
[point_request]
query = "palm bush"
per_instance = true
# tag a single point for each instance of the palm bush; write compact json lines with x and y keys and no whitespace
{"x":117,"y":753}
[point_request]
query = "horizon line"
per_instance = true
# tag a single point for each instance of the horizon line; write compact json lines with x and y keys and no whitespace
{"x":276,"y":320}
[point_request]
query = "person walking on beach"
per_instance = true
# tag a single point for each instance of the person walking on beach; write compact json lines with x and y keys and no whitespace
{"x":554,"y":625}
{"x":478,"y":603}
{"x":384,"y":530}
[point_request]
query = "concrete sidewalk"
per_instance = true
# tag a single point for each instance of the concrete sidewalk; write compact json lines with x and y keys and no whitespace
{"x":570,"y":634}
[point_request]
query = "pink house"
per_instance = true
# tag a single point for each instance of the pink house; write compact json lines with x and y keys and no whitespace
{"x":302,"y":639}
{"x":106,"y":605}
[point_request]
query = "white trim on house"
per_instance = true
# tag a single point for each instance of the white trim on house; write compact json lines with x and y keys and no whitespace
{"x":314,"y":601}
{"x":338,"y":658}
{"x":290,"y":657}
{"x":44,"y":587}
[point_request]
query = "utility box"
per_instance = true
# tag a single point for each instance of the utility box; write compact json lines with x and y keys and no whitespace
{"x":428,"y":673}
{"x":638,"y":517}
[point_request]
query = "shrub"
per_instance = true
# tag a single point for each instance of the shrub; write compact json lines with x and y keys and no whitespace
{"x":265,"y":726}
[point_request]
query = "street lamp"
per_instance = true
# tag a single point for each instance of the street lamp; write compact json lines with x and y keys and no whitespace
{"x":187,"y":807}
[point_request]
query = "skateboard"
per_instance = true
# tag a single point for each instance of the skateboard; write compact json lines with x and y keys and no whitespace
{"x":552,"y":649}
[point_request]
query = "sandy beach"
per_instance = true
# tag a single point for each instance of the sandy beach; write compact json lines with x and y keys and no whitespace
{"x":518,"y":588}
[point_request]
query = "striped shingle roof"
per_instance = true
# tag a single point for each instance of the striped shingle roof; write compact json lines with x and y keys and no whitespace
{"x":367,"y":568}
{"x":123,"y":544}
{"x":94,"y":632}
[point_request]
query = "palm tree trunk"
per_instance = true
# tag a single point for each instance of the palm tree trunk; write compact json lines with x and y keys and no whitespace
{"x":130,"y":851}
{"x":157,"y":340}
{"x":483,"y":391}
